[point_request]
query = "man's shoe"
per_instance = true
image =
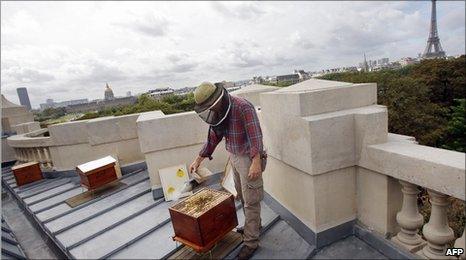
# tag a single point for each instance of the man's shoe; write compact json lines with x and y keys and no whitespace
{"x":246,"y":252}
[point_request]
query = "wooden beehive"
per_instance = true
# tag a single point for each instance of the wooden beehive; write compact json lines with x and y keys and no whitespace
{"x":27,"y":173}
{"x":204,"y":218}
{"x":97,"y":173}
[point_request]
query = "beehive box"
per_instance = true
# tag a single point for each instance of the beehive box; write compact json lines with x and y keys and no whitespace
{"x":26,"y":173}
{"x":204,"y":218}
{"x":97,"y":173}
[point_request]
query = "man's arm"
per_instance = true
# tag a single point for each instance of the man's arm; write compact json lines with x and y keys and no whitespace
{"x":211,"y":144}
{"x":207,"y":150}
{"x":253,"y":130}
{"x":254,"y":134}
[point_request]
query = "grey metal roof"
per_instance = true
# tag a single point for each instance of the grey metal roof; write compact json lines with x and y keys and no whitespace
{"x":128,"y":223}
{"x":10,"y":246}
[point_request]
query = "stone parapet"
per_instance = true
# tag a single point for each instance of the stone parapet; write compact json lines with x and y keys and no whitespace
{"x":252,"y":92}
{"x":437,"y":169}
{"x":26,"y":127}
{"x":168,"y":140}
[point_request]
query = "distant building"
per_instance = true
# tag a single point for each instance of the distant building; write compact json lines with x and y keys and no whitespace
{"x":407,"y":61}
{"x":24,"y":97}
{"x":50,"y":104}
{"x":184,"y":91}
{"x":383,"y":62}
{"x":108,"y":94}
{"x":97,"y":105}
{"x":159,"y":93}
{"x":303,"y":75}
{"x":290,"y":78}
{"x":128,"y":93}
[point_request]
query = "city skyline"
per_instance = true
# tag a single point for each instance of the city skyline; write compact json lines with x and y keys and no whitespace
{"x":139,"y":46}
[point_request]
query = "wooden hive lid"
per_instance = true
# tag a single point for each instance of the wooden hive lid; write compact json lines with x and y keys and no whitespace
{"x":200,"y":202}
{"x":19,"y":166}
{"x":92,"y":165}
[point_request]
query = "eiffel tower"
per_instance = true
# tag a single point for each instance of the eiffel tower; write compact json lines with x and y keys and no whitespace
{"x":433,"y":48}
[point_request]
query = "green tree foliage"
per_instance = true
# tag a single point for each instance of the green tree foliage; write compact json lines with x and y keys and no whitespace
{"x":455,"y":138}
{"x":419,"y":98}
{"x":168,"y":105}
{"x":50,"y":113}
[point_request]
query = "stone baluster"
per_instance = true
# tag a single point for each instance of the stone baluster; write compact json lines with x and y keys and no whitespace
{"x":17,"y":154}
{"x":35,"y":155}
{"x":460,"y":243}
{"x":27,"y":152}
{"x":47,"y":157}
{"x":22,"y":155}
{"x":41,"y":158}
{"x":437,"y":232}
{"x":409,"y":219}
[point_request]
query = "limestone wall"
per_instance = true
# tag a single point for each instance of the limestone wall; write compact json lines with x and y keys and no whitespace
{"x":332,"y":159}
{"x":26,"y":127}
{"x":13,"y":115}
{"x":77,"y":142}
{"x":252,"y":92}
{"x":168,"y":140}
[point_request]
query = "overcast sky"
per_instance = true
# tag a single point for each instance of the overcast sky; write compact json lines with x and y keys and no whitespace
{"x":68,"y":50}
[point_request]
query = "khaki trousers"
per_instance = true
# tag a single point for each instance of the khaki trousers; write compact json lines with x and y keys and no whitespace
{"x":250,"y":192}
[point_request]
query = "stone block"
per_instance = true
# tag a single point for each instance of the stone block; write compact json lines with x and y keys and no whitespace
{"x":437,"y":169}
{"x":112,"y":129}
{"x":183,"y":155}
{"x":68,"y":133}
{"x":252,"y":92}
{"x":67,"y":157}
{"x":331,"y":141}
{"x":292,"y":188}
{"x":335,"y":198}
{"x":379,"y":199}
{"x":160,"y":132}
{"x":26,"y":127}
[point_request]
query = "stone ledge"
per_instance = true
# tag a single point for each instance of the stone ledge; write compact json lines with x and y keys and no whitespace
{"x":433,"y":168}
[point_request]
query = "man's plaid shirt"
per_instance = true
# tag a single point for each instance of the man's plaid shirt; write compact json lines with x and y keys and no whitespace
{"x":243,"y":135}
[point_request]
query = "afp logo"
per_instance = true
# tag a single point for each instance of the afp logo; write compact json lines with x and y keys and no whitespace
{"x":454,"y":251}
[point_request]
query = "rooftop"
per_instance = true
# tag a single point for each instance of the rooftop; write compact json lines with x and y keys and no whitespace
{"x":338,"y":184}
{"x":128,"y":223}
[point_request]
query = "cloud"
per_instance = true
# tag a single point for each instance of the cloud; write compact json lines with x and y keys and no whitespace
{"x":70,"y":49}
{"x":240,"y":10}
{"x":303,"y":42}
{"x":25,"y":75}
{"x":149,"y":25}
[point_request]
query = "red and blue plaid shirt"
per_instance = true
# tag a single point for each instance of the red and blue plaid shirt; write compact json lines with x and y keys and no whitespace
{"x":243,"y":134}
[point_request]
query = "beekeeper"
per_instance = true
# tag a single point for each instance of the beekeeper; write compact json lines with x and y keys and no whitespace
{"x":235,"y":119}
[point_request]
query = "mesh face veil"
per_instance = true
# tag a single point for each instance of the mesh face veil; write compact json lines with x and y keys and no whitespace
{"x":216,"y":113}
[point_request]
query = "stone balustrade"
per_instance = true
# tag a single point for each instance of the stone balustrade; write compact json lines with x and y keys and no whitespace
{"x":72,"y":143}
{"x":32,"y":146}
{"x":441,"y":172}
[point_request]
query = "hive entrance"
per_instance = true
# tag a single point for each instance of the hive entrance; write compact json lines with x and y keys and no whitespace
{"x":200,"y":202}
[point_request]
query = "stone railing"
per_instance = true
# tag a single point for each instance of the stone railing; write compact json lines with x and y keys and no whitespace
{"x":440,"y":172}
{"x":72,"y":143}
{"x":33,"y":146}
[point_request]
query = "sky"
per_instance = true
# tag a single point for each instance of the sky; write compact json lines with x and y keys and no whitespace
{"x":69,"y":50}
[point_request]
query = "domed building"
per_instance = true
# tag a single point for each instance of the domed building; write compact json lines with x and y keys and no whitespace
{"x":108,"y":93}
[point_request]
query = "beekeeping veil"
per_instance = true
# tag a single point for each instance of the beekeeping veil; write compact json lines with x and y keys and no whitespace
{"x":212,"y":103}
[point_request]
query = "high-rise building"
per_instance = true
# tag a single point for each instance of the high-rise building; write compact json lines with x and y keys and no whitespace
{"x":24,"y":97}
{"x":128,"y":93}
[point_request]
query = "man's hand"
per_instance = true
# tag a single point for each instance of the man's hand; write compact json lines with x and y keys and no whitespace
{"x":195,"y":164}
{"x":255,"y":170}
